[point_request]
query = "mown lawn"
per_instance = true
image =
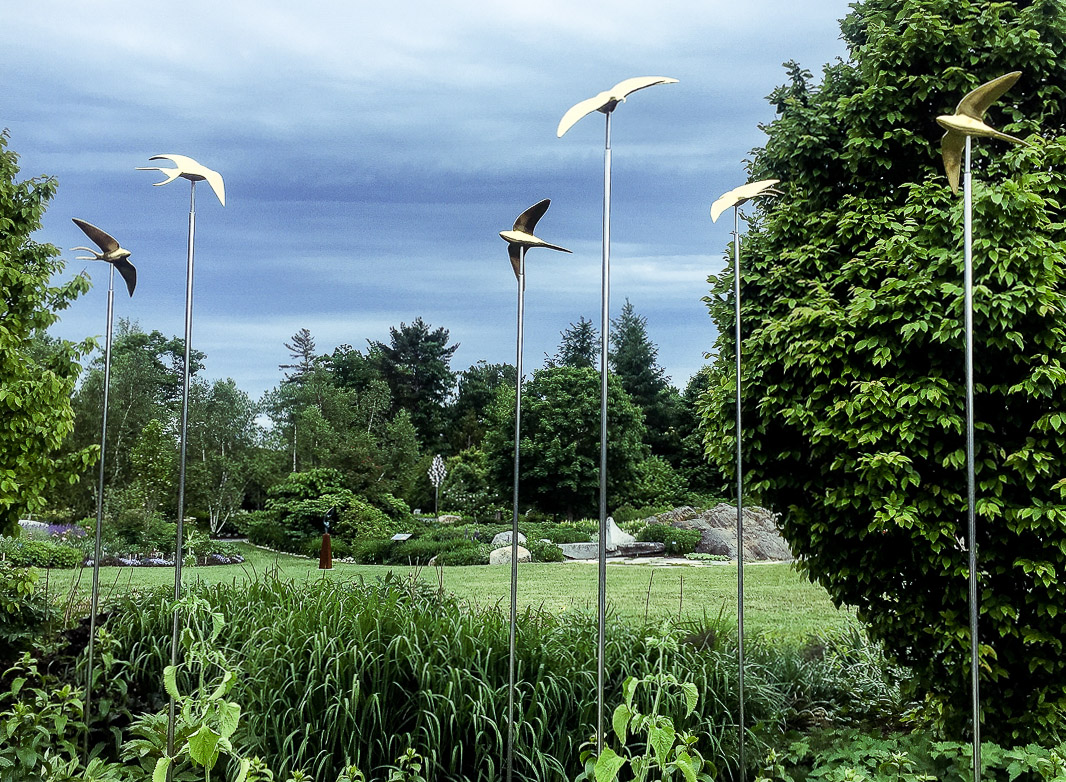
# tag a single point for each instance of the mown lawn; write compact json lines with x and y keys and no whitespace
{"x":778,"y":601}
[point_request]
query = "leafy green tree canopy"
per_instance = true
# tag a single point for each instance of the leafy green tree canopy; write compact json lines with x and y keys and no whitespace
{"x":37,"y":374}
{"x":853,"y":348}
{"x":560,"y":446}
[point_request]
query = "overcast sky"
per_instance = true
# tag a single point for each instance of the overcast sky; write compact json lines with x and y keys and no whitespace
{"x":372,"y":153}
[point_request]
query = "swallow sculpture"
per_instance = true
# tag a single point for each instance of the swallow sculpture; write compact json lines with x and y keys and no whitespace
{"x":521,"y":237}
{"x":968,"y":120}
{"x":110,"y":251}
{"x":743,"y":194}
{"x":607,"y":100}
{"x":187,"y":168}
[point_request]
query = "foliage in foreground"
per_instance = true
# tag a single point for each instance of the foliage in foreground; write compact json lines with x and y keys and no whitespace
{"x":376,"y":669}
{"x":37,"y":373}
{"x":853,"y":348}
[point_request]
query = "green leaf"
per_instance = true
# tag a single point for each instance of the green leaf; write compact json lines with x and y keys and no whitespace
{"x":203,"y":747}
{"x":161,"y":767}
{"x":692,"y":696}
{"x":685,"y":762}
{"x":662,"y":739}
{"x":620,"y":721}
{"x":170,"y":682}
{"x":608,"y":764}
{"x":229,"y":716}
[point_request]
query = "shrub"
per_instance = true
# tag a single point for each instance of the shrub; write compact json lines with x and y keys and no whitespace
{"x":358,"y":519}
{"x":544,"y":552}
{"x":468,"y":554}
{"x":371,"y":552}
{"x":262,"y":529}
{"x":853,"y":350}
{"x":395,"y":508}
{"x":23,"y":552}
{"x":25,"y":611}
{"x":678,"y":541}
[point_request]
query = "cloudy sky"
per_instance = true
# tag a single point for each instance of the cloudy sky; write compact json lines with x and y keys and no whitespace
{"x":372,"y":153}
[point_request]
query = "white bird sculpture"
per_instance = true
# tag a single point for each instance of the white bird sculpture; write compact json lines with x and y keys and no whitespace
{"x":522,"y":235}
{"x":111,"y":252}
{"x":607,"y":100}
{"x":187,"y":168}
{"x":743,"y":194}
{"x":968,"y":120}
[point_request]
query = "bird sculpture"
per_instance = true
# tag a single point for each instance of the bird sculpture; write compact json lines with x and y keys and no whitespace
{"x":110,"y":252}
{"x":187,"y":168}
{"x":607,"y":100}
{"x":743,"y":194}
{"x":521,"y":237}
{"x":968,"y":120}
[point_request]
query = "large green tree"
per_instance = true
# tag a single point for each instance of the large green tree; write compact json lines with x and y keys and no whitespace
{"x":471,"y":409}
{"x":416,"y":363}
{"x":560,"y":445}
{"x":37,"y":374}
{"x":853,"y":348}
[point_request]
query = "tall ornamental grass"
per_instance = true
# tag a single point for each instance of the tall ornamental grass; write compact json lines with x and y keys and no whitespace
{"x":338,"y":673}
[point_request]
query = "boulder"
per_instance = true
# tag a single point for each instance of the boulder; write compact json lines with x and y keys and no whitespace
{"x":615,"y":537}
{"x":502,"y":556}
{"x":446,"y":519}
{"x":762,"y":541}
{"x":504,"y":539}
{"x":580,"y":550}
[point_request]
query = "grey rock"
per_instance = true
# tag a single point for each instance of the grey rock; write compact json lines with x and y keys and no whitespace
{"x":616,"y":538}
{"x":762,"y":541}
{"x":502,"y":556}
{"x":580,"y":550}
{"x":450,"y":519}
{"x":504,"y":539}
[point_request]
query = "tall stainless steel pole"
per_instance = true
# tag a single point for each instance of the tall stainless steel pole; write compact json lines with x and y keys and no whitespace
{"x":971,"y":516}
{"x":740,"y":500}
{"x":605,"y":327}
{"x":178,"y":553}
{"x":605,"y":102}
{"x":97,"y":543}
{"x":514,"y":514}
{"x":519,"y":239}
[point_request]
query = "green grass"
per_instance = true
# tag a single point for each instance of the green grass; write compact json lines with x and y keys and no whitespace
{"x":778,"y":601}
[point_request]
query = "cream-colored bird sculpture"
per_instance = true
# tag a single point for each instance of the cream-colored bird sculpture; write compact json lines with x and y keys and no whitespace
{"x":743,"y":194}
{"x":606,"y":101}
{"x":187,"y":168}
{"x":522,"y":235}
{"x":111,"y":252}
{"x":968,"y":120}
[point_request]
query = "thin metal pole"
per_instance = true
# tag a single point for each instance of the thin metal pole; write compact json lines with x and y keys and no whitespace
{"x":98,"y":547}
{"x":514,"y":516}
{"x":605,"y":325}
{"x":181,"y":466}
{"x":740,"y":500}
{"x":970,"y":482}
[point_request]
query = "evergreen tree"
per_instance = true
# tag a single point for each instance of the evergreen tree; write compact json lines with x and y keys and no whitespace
{"x":633,"y":358}
{"x":417,"y":366}
{"x":853,"y":349}
{"x":580,"y":347}
{"x":302,"y":350}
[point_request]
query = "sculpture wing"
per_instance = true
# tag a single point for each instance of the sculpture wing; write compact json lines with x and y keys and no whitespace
{"x":976,"y":103}
{"x":527,"y":221}
{"x":579,"y":110}
{"x":738,"y":195}
{"x":951,"y":147}
{"x":514,"y":253}
{"x":629,"y":86}
{"x":101,"y":239}
{"x":215,"y":180}
{"x":128,"y":272}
